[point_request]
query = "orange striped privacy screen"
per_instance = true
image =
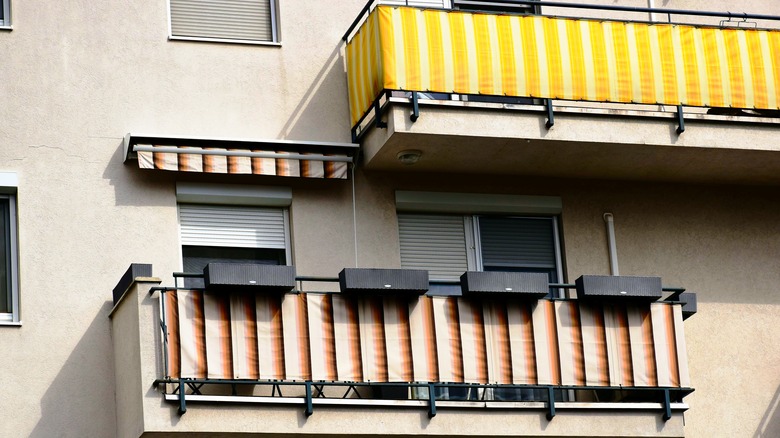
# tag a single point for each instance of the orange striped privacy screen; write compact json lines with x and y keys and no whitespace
{"x":330,"y":337}
{"x":203,"y":161}
{"x":403,"y":48}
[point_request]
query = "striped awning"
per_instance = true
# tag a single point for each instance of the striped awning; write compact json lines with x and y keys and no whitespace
{"x":333,"y":337}
{"x":241,"y":157}
{"x":404,"y":48}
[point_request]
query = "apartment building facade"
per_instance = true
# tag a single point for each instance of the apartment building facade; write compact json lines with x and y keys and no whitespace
{"x":411,"y":218}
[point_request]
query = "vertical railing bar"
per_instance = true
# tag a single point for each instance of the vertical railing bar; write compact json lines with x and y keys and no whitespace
{"x":550,"y":403}
{"x":182,"y":402}
{"x":309,"y":404}
{"x":431,"y":400}
{"x":415,"y":107}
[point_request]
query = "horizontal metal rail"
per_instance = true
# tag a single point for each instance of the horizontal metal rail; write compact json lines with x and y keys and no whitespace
{"x":729,"y":15}
{"x":549,"y":391}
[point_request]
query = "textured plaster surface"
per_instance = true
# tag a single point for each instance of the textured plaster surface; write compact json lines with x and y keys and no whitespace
{"x":78,"y":76}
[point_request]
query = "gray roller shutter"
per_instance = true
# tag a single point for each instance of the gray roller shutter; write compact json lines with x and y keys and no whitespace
{"x":511,"y":242}
{"x":223,"y":19}
{"x":434,"y":243}
{"x":236,"y":227}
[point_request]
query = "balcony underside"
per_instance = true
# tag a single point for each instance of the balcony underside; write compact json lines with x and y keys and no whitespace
{"x":583,"y":143}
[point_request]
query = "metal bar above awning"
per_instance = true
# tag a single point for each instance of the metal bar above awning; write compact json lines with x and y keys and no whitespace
{"x":306,"y":159}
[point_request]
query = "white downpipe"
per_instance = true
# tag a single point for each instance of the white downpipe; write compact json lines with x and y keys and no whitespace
{"x":651,"y":5}
{"x":613,"y":260}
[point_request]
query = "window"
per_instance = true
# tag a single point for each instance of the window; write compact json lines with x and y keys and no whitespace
{"x":242,"y":21}
{"x":231,"y":234}
{"x":5,"y":13}
{"x":419,"y":3}
{"x":495,"y":6}
{"x":449,"y":245}
{"x":9,"y":286}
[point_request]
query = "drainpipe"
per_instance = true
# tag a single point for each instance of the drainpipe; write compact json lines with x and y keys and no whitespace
{"x":613,"y":260}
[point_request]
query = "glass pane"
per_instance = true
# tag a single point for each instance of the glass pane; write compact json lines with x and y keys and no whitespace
{"x":5,"y":290}
{"x":514,"y":242}
{"x":197,"y":257}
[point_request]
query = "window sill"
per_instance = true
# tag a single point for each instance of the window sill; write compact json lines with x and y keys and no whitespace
{"x":225,"y":41}
{"x":7,"y":28}
{"x":11,"y":323}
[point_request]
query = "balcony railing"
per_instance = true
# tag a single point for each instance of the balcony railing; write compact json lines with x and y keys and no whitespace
{"x":489,"y":54}
{"x":492,"y":348}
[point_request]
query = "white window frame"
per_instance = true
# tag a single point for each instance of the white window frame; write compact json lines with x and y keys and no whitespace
{"x":471,"y":205}
{"x":236,"y":195}
{"x":275,"y":33}
{"x":12,"y":318}
{"x":5,"y":5}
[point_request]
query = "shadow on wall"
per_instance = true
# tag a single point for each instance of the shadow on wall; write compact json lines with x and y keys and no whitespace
{"x":770,"y":422}
{"x":137,"y":187}
{"x":314,"y":117}
{"x":80,"y":399}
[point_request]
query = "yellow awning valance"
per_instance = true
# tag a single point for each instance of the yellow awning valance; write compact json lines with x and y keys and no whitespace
{"x":404,"y":48}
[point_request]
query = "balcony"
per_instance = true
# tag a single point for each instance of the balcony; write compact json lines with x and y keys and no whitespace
{"x":216,"y":360}
{"x":488,"y":92}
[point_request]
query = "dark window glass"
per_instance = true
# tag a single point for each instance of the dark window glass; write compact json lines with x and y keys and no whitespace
{"x":197,"y":257}
{"x":5,"y":257}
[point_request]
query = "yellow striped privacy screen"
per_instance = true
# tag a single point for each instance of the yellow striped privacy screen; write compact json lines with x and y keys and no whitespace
{"x":403,"y":48}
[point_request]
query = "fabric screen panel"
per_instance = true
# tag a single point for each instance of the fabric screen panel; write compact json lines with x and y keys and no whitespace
{"x":434,"y":243}
{"x":243,"y":332}
{"x":423,"y":339}
{"x":295,"y":330}
{"x":214,"y":160}
{"x":398,"y":342}
{"x":329,"y":337}
{"x":223,"y":19}
{"x":594,"y":345}
{"x":569,"y":331}
{"x":512,"y":242}
{"x":270,"y":337}
{"x":232,"y":226}
{"x":564,"y":58}
{"x":346,"y":328}
{"x":372,"y":339}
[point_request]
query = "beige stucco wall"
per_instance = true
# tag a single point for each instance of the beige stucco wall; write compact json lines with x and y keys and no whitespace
{"x":76,"y":77}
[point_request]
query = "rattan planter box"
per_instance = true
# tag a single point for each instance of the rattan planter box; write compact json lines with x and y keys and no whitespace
{"x":532,"y":285}
{"x":378,"y":281}
{"x":605,"y":287}
{"x":268,"y":278}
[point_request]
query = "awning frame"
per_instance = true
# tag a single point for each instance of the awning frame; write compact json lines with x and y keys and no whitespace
{"x":295,"y":148}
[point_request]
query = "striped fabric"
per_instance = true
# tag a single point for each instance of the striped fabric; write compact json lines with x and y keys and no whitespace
{"x":403,"y":48}
{"x":204,"y":162}
{"x":332,"y":337}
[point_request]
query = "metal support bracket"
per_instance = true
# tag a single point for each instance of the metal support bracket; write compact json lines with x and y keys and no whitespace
{"x":550,"y":403}
{"x":431,"y":400}
{"x":667,"y":406}
{"x":309,"y":405}
{"x":415,"y":107}
{"x":680,"y":120}
{"x":182,"y":402}
{"x":550,"y":116}
{"x":378,"y":116}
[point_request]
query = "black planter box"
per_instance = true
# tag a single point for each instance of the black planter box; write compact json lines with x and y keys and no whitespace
{"x":378,"y":281}
{"x":689,"y":304}
{"x":135,"y":270}
{"x":605,"y":287}
{"x":532,"y":285}
{"x":249,"y":276}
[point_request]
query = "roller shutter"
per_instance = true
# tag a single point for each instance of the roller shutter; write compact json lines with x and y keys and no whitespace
{"x":250,"y":20}
{"x":434,"y":243}
{"x":230,"y":226}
